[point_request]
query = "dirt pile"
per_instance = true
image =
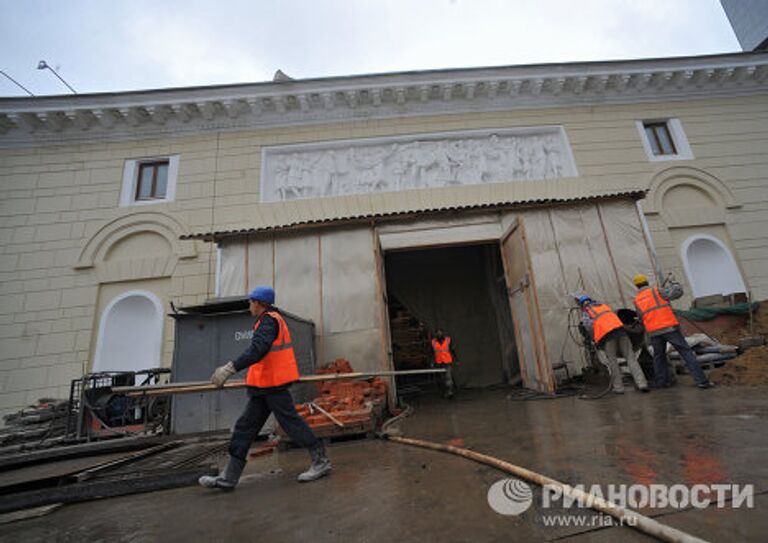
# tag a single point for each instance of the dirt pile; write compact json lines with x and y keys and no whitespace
{"x":751,"y":368}
{"x":731,"y":336}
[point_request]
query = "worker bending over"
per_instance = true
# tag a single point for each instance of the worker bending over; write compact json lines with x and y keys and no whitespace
{"x":444,"y":355}
{"x":653,"y":307}
{"x":272,"y":367}
{"x":610,"y":337}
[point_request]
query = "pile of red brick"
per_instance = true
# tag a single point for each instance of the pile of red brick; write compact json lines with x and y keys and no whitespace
{"x":356,"y":404}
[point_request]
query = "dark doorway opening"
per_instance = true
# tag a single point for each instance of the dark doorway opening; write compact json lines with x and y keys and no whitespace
{"x":461,"y":290}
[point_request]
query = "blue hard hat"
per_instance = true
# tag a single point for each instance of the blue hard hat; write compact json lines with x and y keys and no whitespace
{"x":263,"y":294}
{"x":583,"y":299}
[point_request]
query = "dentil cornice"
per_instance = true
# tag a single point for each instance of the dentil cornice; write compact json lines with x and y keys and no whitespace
{"x":294,"y":102}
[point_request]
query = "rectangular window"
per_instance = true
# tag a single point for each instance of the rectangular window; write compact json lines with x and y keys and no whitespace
{"x":149,"y":180}
{"x":660,"y":138}
{"x":152,"y":181}
{"x":664,"y":139}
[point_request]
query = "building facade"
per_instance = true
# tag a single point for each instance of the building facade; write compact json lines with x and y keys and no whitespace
{"x":528,"y":183}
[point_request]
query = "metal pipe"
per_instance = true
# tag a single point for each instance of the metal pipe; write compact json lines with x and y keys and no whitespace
{"x":207,"y":386}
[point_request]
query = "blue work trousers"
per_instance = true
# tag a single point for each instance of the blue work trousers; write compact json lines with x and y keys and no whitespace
{"x":661,"y":364}
{"x":255,"y":414}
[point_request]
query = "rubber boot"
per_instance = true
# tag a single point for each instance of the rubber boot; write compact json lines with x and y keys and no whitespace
{"x":228,"y":478}
{"x":320,"y":467}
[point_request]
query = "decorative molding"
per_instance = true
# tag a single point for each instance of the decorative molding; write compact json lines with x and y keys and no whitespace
{"x":364,"y":166}
{"x":694,"y":216}
{"x":136,"y":268}
{"x":683,"y":175}
{"x":169,"y":111}
{"x":170,"y":228}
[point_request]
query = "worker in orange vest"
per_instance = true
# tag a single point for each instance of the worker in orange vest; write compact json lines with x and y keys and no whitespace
{"x":610,"y":337}
{"x":653,"y":307}
{"x":444,"y":356}
{"x":272,"y":367}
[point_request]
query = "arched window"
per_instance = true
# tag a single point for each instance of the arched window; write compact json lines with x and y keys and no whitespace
{"x":710,"y":267}
{"x":130,"y":333}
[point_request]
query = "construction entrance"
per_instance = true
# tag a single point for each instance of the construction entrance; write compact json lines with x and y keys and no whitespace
{"x":460,"y":290}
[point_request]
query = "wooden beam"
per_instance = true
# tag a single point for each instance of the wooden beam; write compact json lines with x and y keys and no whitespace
{"x":206,"y":386}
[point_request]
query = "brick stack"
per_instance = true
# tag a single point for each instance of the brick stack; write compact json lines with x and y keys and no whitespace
{"x":357,"y":404}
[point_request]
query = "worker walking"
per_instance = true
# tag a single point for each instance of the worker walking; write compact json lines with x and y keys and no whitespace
{"x":653,"y":307}
{"x":272,"y":367}
{"x":611,"y":338}
{"x":444,"y":356}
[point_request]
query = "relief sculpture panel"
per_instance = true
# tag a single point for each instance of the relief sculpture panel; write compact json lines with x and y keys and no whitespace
{"x":406,"y":163}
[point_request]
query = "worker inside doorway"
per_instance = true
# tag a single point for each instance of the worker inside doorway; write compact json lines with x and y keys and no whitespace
{"x":459,"y":289}
{"x":444,"y":358}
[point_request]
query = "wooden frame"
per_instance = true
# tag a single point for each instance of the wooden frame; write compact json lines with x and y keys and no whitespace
{"x":153,"y":188}
{"x":544,"y":378}
{"x":386,"y":335}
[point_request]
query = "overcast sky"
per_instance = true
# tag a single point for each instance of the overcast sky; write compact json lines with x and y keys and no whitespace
{"x":114,"y":45}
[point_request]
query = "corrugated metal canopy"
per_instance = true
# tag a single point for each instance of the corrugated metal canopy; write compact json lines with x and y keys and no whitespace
{"x":635,"y":194}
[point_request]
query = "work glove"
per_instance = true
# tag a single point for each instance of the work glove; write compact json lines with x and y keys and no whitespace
{"x":223,"y":373}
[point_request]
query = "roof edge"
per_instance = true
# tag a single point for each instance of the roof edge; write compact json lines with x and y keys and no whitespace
{"x":218,"y":235}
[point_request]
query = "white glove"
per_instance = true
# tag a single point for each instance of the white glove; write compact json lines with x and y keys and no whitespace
{"x":223,"y":373}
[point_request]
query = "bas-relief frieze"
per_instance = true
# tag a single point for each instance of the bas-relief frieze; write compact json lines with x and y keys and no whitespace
{"x":405,"y":164}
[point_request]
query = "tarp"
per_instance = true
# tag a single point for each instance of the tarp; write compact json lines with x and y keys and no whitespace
{"x":709,"y":313}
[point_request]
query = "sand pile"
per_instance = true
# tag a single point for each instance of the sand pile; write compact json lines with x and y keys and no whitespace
{"x":751,"y":368}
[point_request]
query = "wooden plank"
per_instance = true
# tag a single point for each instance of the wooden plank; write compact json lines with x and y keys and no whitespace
{"x":206,"y":386}
{"x":103,"y":489}
{"x":24,"y":514}
{"x":76,"y":451}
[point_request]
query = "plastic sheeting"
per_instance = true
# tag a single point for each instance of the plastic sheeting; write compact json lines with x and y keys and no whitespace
{"x":297,"y":275}
{"x":261,"y":262}
{"x":326,"y":276}
{"x":590,"y":248}
{"x":232,"y":269}
{"x":628,"y":244}
{"x":350,"y":297}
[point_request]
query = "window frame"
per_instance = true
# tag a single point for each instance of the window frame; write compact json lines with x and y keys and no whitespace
{"x":677,"y":137}
{"x":155,"y":165}
{"x":129,"y":195}
{"x":655,"y":128}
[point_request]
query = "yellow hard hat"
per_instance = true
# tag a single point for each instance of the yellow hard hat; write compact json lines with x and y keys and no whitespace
{"x":640,"y":279}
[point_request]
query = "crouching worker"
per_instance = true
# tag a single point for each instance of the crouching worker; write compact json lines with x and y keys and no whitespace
{"x":609,"y":336}
{"x":272,"y":367}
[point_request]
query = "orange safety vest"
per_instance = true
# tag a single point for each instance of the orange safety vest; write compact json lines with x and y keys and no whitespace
{"x":655,"y":311}
{"x":604,"y":320}
{"x":279,"y":366}
{"x":442,"y":351}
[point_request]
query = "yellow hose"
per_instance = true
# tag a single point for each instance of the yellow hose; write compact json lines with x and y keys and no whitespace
{"x":624,"y":515}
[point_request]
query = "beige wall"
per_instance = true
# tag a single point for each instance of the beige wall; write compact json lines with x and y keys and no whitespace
{"x":59,"y":212}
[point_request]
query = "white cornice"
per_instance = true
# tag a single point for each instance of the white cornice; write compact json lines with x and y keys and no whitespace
{"x":178,"y":111}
